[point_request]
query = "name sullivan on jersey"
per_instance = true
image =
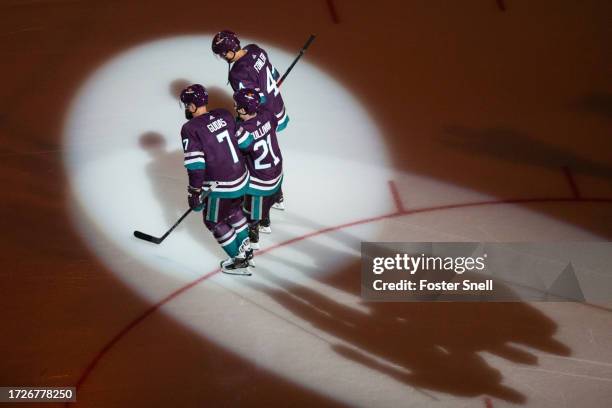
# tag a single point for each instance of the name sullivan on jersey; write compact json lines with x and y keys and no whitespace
{"x":262,"y":131}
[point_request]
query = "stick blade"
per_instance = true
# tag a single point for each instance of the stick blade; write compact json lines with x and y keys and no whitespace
{"x":146,"y":237}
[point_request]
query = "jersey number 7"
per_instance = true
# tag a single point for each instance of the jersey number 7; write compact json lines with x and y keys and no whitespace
{"x":225,"y":135}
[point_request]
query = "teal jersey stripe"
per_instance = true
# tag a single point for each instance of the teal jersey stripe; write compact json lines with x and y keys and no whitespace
{"x":244,"y":145}
{"x":256,"y":207}
{"x":211,"y":211}
{"x":253,"y":190}
{"x":229,"y":194}
{"x":281,"y":126}
{"x":196,"y":166}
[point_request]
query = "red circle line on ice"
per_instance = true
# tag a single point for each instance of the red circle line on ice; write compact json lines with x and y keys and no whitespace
{"x":401,"y":211}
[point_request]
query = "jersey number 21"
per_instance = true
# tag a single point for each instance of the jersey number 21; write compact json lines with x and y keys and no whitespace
{"x":266,"y":145}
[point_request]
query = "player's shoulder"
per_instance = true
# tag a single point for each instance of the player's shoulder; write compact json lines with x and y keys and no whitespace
{"x":253,"y":53}
{"x":266,"y":114}
{"x":249,"y":125}
{"x":219,"y":113}
{"x":257,"y":51}
{"x":188,"y":127}
{"x":253,"y":48}
{"x":243,"y":128}
{"x":240,"y":68}
{"x":258,"y":121}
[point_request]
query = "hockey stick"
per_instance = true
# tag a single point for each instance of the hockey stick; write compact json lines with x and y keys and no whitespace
{"x":159,"y":240}
{"x":302,"y":51}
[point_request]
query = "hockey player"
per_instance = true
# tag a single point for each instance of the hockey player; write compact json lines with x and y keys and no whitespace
{"x":252,"y":69}
{"x":256,"y":136}
{"x":212,"y":155}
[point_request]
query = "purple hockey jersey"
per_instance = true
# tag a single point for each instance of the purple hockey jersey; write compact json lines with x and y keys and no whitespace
{"x":257,"y":140}
{"x":254,"y":70}
{"x":212,"y":154}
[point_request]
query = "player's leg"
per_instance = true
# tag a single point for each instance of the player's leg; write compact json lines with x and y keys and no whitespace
{"x":279,"y":204}
{"x":267,"y":203}
{"x":265,"y":226}
{"x":264,"y":220}
{"x":252,"y":206}
{"x":220,"y":215}
{"x":239,"y":221}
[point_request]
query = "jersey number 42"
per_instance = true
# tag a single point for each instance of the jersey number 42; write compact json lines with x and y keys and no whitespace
{"x":270,"y":83}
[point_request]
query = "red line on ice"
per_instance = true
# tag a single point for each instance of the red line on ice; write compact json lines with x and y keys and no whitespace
{"x":100,"y":354}
{"x":396,"y":196}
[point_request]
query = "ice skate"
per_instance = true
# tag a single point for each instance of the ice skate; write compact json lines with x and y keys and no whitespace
{"x":264,"y":226}
{"x":250,"y":256}
{"x":280,"y":204}
{"x":254,"y":237}
{"x":236,"y":266}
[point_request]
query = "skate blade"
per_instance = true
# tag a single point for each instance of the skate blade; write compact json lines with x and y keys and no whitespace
{"x":279,"y":206}
{"x":265,"y":230}
{"x":239,"y":271}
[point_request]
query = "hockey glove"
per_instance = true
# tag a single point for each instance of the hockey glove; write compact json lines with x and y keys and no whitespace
{"x":194,"y":198}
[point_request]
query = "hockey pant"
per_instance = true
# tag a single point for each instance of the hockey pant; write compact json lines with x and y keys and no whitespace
{"x":257,"y":208}
{"x":226,"y":220}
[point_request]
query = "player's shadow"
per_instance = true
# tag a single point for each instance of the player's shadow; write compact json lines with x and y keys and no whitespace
{"x":217,"y":97}
{"x":595,"y":103}
{"x":512,"y":145}
{"x":169,"y":183}
{"x":177,"y":86}
{"x":220,"y":98}
{"x":429,"y":346}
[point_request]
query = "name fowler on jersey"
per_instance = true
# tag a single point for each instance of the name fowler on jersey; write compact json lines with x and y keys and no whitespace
{"x":255,"y":70}
{"x":262,"y":131}
{"x":216,"y":125}
{"x":261,"y":61}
